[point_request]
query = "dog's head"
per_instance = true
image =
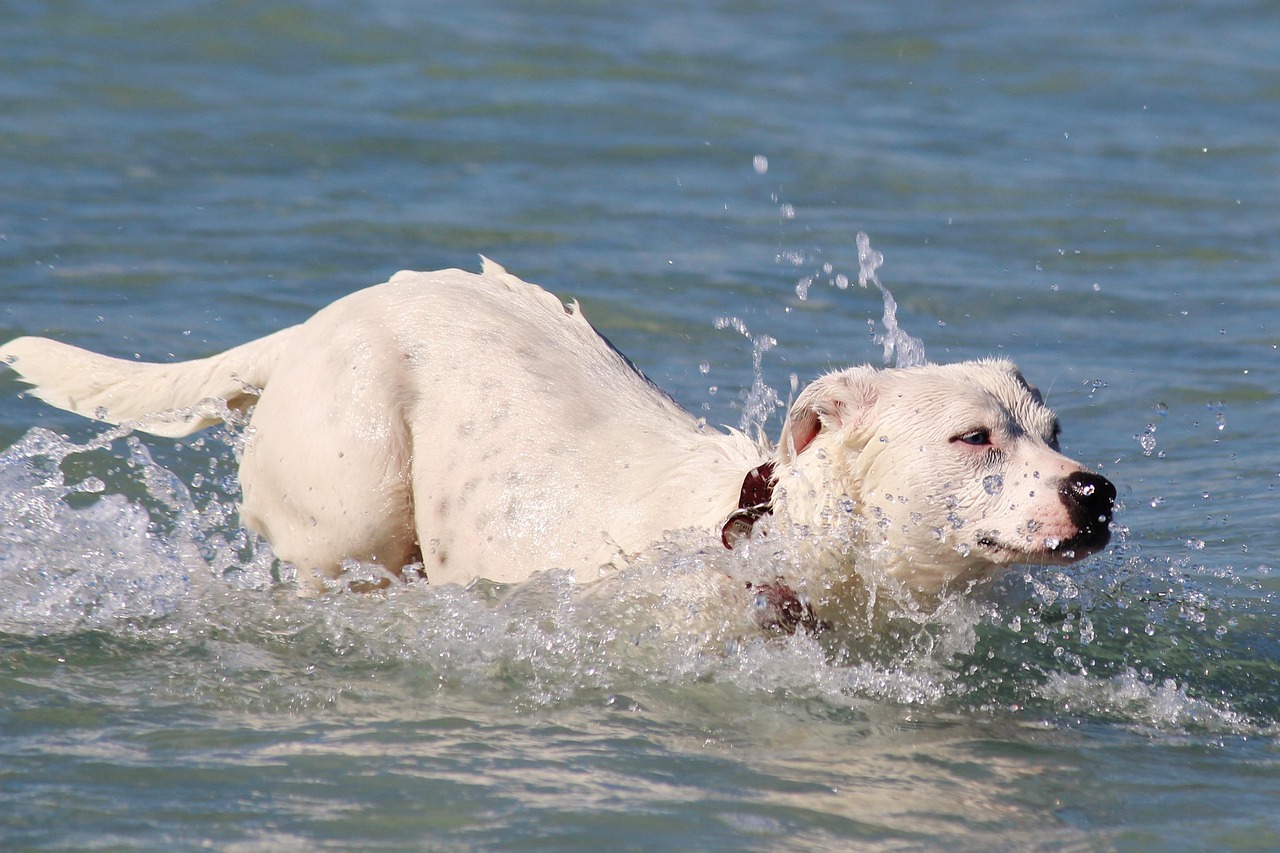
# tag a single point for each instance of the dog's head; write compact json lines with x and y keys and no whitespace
{"x":951,"y":471}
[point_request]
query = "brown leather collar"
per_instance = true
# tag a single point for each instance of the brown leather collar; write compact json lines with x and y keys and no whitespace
{"x":754,"y":503}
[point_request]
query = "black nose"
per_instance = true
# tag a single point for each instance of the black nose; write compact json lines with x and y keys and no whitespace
{"x":1089,"y":499}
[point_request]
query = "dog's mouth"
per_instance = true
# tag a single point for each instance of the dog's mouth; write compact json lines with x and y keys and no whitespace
{"x":1049,"y":549}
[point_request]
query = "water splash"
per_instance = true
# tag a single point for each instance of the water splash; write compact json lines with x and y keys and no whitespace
{"x":900,"y":348}
{"x":65,"y":571}
{"x":761,"y":400}
{"x":1139,"y":699}
{"x":137,"y":546}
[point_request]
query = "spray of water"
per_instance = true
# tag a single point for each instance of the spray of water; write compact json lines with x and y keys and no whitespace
{"x":761,"y":401}
{"x":900,"y":348}
{"x":105,"y":541}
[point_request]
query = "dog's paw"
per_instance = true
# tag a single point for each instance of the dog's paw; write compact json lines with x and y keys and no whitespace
{"x":777,"y":607}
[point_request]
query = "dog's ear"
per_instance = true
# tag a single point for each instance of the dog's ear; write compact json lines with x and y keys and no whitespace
{"x":837,"y":401}
{"x":1006,"y":366}
{"x":1031,"y":389}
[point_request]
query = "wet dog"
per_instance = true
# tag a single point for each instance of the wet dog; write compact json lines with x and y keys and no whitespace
{"x":479,"y":427}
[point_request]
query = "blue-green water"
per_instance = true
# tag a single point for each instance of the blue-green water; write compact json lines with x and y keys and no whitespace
{"x":1090,"y":189}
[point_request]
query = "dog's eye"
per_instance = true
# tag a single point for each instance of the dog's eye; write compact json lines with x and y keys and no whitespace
{"x":976,"y":438}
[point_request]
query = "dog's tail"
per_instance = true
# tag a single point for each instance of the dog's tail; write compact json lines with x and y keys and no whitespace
{"x":162,"y":399}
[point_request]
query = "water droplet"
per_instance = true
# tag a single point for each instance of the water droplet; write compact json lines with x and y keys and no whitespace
{"x":760,"y":163}
{"x":92,"y":485}
{"x":993,"y":484}
{"x":1147,"y":440}
{"x":1157,"y":501}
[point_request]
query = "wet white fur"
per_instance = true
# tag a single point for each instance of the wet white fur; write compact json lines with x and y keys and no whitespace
{"x":478,"y":423}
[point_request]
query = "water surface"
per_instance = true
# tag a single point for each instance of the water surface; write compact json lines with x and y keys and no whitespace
{"x":1088,"y":189}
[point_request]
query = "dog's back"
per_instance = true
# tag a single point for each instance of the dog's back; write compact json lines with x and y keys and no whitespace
{"x":473,"y":422}
{"x":496,"y":420}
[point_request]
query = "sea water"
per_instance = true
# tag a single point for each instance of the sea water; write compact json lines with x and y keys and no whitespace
{"x":1089,"y":190}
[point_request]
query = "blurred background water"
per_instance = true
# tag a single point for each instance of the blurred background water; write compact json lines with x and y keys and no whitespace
{"x":1089,"y":188}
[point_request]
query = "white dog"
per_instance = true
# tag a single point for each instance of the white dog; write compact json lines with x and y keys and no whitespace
{"x":477,"y":425}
